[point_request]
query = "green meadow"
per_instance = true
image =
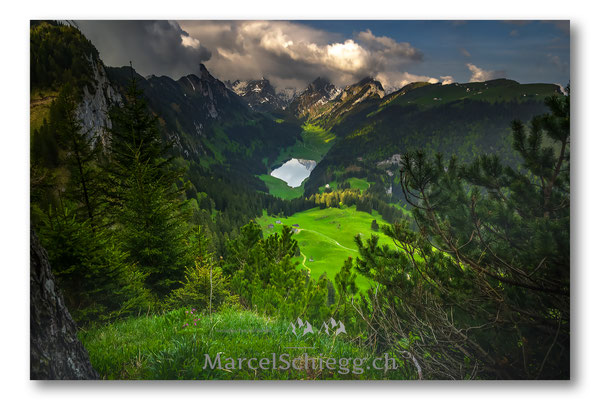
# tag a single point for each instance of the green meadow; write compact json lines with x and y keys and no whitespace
{"x":315,"y":143}
{"x":279,"y":188}
{"x":39,"y":107}
{"x":327,"y":237}
{"x":174,"y":346}
{"x":355,"y":183}
{"x":431,"y":95}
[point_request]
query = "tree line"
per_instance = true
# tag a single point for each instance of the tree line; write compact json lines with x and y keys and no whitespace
{"x":479,"y":289}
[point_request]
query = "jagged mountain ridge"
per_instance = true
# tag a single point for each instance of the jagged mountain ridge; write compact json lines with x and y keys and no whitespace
{"x":357,"y":95}
{"x":259,"y":94}
{"x":209,"y":123}
{"x":187,"y":107}
{"x":203,"y":120}
{"x":465,"y":120}
{"x":310,"y":103}
{"x":288,"y":95}
{"x":322,"y":101}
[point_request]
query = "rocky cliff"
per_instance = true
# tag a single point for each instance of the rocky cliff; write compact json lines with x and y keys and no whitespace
{"x":188,"y":108}
{"x":55,"y":350}
{"x":259,"y":94}
{"x":95,"y":103}
{"x":312,"y":101}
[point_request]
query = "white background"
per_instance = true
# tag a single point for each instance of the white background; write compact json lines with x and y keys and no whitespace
{"x":14,"y":195}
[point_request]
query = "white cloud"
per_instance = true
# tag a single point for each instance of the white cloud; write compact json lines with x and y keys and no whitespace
{"x":383,"y":46}
{"x":392,"y":81}
{"x":288,"y":54}
{"x":189,"y":41}
{"x":464,"y":52}
{"x":481,"y":75}
{"x":292,"y":54}
{"x":562,"y":89}
{"x":446,"y":80}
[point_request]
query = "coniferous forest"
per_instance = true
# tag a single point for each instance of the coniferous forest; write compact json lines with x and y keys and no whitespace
{"x":428,"y":239}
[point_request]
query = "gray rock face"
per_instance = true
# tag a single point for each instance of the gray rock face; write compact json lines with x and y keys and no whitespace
{"x":393,"y":160}
{"x":313,"y":98}
{"x":287,"y":95}
{"x":309,"y":164}
{"x":56,"y":352}
{"x":94,"y":107}
{"x":259,"y":94}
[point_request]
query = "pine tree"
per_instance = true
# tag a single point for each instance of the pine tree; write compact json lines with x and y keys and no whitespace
{"x":483,"y":285}
{"x":374,"y":226}
{"x":84,"y":185}
{"x":147,"y":201}
{"x":266,"y":279}
{"x":97,"y":281}
{"x":205,"y":287}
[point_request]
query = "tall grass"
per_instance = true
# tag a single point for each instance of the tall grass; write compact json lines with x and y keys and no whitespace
{"x":173,"y":346}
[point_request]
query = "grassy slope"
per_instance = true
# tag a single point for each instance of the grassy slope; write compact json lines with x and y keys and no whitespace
{"x":319,"y":233}
{"x":39,"y":107}
{"x":316,"y":141}
{"x":161,"y":347}
{"x":355,"y":183}
{"x":358,"y":183}
{"x":431,"y":95}
{"x":280,"y":189}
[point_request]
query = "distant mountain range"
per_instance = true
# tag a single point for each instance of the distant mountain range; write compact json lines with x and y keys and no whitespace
{"x":460,"y":120}
{"x":244,"y":125}
{"x":311,"y":101}
{"x":259,"y":94}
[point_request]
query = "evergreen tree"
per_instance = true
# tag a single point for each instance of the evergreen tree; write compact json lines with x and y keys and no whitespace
{"x":84,"y":185}
{"x":267,"y":280}
{"x":147,"y":202}
{"x":205,"y":287}
{"x":97,"y":281}
{"x":374,"y":226}
{"x":482,"y":287}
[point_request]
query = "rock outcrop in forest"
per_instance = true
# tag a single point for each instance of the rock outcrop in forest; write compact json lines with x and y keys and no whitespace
{"x":56,"y":352}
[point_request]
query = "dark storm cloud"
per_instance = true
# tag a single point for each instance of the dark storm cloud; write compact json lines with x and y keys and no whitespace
{"x":292,"y":54}
{"x":154,"y":47}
